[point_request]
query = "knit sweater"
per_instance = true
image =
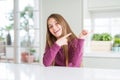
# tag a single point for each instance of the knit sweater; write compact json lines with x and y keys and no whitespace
{"x":55,"y":52}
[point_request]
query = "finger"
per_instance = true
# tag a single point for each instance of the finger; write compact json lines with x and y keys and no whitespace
{"x":84,"y":32}
{"x":67,"y":35}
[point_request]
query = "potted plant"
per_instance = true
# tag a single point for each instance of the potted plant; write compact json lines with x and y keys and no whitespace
{"x":116,"y":43}
{"x":8,"y":38}
{"x":30,"y":57}
{"x":96,"y":37}
{"x":101,"y":42}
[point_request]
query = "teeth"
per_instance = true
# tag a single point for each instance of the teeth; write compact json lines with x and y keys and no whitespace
{"x":56,"y":31}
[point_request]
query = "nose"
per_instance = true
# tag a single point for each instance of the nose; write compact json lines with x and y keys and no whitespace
{"x":54,"y":26}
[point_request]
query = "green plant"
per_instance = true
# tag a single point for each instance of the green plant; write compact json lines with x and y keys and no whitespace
{"x":7,"y":27}
{"x":106,"y":37}
{"x":96,"y":37}
{"x":10,"y":27}
{"x":26,"y":18}
{"x":32,"y":51}
{"x":116,"y":42}
{"x":101,"y":37}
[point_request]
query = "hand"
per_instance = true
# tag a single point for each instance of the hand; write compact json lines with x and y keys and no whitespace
{"x":83,"y":34}
{"x":63,"y":40}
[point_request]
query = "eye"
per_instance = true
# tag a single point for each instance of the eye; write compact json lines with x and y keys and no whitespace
{"x":56,"y":24}
{"x":50,"y":26}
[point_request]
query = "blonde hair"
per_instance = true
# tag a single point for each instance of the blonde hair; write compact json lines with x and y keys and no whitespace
{"x":50,"y":39}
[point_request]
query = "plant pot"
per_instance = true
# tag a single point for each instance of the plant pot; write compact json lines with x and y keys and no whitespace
{"x":23,"y":56}
{"x":30,"y":58}
{"x":116,"y":49}
{"x":101,"y":46}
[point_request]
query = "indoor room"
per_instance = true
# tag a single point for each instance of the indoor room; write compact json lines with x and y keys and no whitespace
{"x":23,"y":38}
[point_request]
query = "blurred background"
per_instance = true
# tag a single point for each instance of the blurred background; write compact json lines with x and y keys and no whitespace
{"x":23,"y":29}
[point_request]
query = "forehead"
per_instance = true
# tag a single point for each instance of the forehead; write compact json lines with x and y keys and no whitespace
{"x":51,"y":20}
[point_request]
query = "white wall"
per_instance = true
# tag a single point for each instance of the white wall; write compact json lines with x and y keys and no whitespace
{"x":103,"y":4}
{"x":71,"y":11}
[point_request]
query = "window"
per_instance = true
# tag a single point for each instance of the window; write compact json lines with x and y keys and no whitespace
{"x":6,"y":28}
{"x":20,"y":19}
{"x":102,"y":22}
{"x":6,"y":20}
{"x":106,"y":22}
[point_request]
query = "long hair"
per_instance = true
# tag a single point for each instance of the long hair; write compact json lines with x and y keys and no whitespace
{"x":50,"y":39}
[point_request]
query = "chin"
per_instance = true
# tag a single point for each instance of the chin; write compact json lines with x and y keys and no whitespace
{"x":58,"y":36}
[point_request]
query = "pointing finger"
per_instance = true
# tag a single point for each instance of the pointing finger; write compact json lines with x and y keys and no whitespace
{"x":84,"y":32}
{"x":67,"y":35}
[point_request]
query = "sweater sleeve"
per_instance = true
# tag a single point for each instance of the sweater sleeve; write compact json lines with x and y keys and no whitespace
{"x":77,"y":54}
{"x":50,"y":53}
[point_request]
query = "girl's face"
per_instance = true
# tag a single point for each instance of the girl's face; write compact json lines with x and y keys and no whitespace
{"x":54,"y":27}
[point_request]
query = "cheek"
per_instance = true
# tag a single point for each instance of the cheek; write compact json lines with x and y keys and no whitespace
{"x":51,"y":31}
{"x":60,"y":27}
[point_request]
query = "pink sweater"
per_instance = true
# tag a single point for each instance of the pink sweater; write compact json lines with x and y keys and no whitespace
{"x":56,"y":52}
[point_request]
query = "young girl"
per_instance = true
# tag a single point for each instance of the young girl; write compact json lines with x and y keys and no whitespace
{"x":63,"y":48}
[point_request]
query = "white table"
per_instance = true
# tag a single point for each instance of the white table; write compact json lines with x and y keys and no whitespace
{"x":36,"y":72}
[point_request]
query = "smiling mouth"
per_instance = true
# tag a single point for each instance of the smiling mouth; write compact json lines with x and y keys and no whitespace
{"x":57,"y":31}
